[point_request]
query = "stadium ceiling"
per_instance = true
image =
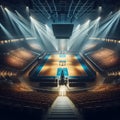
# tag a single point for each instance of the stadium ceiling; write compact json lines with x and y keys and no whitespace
{"x":67,"y":10}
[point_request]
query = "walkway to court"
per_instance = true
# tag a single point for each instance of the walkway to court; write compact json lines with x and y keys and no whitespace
{"x":63,"y":109}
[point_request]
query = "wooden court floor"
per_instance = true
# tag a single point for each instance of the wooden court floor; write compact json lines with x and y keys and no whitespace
{"x":73,"y":65}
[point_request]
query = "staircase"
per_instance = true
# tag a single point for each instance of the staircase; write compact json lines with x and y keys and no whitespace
{"x":63,"y":109}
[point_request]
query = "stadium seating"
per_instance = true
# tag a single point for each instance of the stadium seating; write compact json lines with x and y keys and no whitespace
{"x":24,"y":104}
{"x":96,"y":98}
{"x":18,"y":58}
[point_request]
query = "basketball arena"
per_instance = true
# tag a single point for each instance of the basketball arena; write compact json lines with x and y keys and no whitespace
{"x":59,"y":60}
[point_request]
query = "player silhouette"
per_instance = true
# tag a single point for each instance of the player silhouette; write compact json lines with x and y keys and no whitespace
{"x":62,"y":78}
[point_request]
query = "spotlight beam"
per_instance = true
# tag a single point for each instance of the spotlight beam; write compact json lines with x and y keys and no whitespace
{"x":42,"y":33}
{"x":9,"y":35}
{"x":17,"y":24}
{"x":106,"y":27}
{"x":21,"y":17}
